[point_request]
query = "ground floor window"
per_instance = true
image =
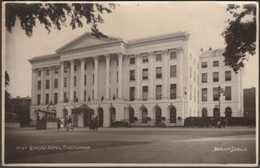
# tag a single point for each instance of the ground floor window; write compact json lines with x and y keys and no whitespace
{"x":216,"y":112}
{"x":204,"y":112}
{"x":228,"y":112}
{"x":172,"y":115}
{"x":144,"y":115}
{"x":158,"y":114}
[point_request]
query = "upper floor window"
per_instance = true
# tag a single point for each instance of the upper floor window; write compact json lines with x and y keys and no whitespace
{"x":55,"y":98}
{"x":75,"y":67}
{"x":204,"y":65}
{"x":39,"y":85}
{"x":158,"y":57}
{"x":145,"y":58}
{"x":215,"y":76}
{"x":204,"y":94}
{"x":55,"y":83}
{"x":159,"y":72}
{"x":204,"y":77}
{"x":132,"y":75}
{"x":145,"y":93}
{"x":190,"y":72}
{"x":228,"y":93}
{"x":173,"y":92}
{"x":158,"y":92}
{"x":85,"y":80}
{"x":56,"y":71}
{"x":75,"y":81}
{"x":145,"y":73}
{"x":132,"y":60}
{"x":65,"y":69}
{"x":47,"y":72}
{"x":65,"y":82}
{"x":227,"y":75}
{"x":47,"y":84}
{"x":173,"y":71}
{"x":215,"y":94}
{"x":215,"y":64}
{"x":85,"y":66}
{"x":173,"y":55}
{"x":39,"y":73}
{"x":132,"y":93}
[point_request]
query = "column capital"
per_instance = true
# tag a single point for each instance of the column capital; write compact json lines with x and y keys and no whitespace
{"x":62,"y":62}
{"x":165,"y":51}
{"x":151,"y":53}
{"x":82,"y":59}
{"x":107,"y":55}
{"x":137,"y":54}
{"x":179,"y":49}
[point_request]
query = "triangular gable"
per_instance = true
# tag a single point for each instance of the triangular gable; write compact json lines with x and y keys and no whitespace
{"x":87,"y":40}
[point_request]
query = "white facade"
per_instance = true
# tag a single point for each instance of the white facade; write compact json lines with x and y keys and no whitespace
{"x":96,"y":72}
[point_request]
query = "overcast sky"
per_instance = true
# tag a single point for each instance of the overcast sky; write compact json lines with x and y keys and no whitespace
{"x":205,"y":21}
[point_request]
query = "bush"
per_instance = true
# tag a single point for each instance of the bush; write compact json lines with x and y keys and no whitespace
{"x":117,"y":124}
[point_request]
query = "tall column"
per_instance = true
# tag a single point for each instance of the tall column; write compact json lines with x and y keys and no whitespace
{"x":51,"y":85}
{"x":34,"y":82}
{"x":151,"y":76}
{"x":120,"y":78}
{"x":61,"y":81}
{"x":42,"y":86}
{"x":96,"y":78}
{"x":180,"y":73}
{"x":82,"y":74}
{"x":138,"y":80}
{"x":71,"y":80}
{"x":107,"y":76}
{"x":165,"y":75}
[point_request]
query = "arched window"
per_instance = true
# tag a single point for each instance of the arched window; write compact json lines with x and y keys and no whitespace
{"x":144,"y":115}
{"x":204,"y":112}
{"x":158,"y":114}
{"x":216,"y":112}
{"x":172,"y":115}
{"x":228,"y":112}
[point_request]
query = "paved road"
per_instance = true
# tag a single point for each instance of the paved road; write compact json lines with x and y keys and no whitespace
{"x":131,"y":145}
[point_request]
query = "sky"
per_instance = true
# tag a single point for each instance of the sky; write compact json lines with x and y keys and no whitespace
{"x":205,"y":21}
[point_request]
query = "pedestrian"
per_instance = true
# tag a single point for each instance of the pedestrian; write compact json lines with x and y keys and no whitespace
{"x":62,"y":123}
{"x":96,"y":123}
{"x":69,"y":124}
{"x":58,"y":123}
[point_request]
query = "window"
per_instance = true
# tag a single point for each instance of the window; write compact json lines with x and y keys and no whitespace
{"x":173,"y":115}
{"x":56,"y":71}
{"x":85,"y":95}
{"x":190,"y":92}
{"x":55,"y":83}
{"x":39,"y":73}
{"x":215,"y":94}
{"x":75,"y":67}
{"x":159,"y":72}
{"x":228,"y":93}
{"x":145,"y":58}
{"x":145,"y":73}
{"x":227,"y":75}
{"x":117,"y":61}
{"x":145,"y":92}
{"x":190,"y":72}
{"x":47,"y":84}
{"x":55,"y":98}
{"x":215,"y":63}
{"x":216,"y":112}
{"x":158,"y":92}
{"x":144,"y":115}
{"x":204,"y":94}
{"x":132,"y":60}
{"x":204,"y":65}
{"x":75,"y":81}
{"x":38,"y":99}
{"x":215,"y":77}
{"x":47,"y":72}
{"x":46,"y":99}
{"x":116,"y":76}
{"x":85,"y":80}
{"x":65,"y":99}
{"x":158,"y":57}
{"x":173,"y":93}
{"x":85,"y":66}
{"x":194,"y":76}
{"x":194,"y":95}
{"x":65,"y":69}
{"x":75,"y":96}
{"x":93,"y":79}
{"x":173,"y":71}
{"x":132,"y":93}
{"x":116,"y":92}
{"x":132,"y":75}
{"x":65,"y":82}
{"x":204,"y":77}
{"x":204,"y":112}
{"x":39,"y":85}
{"x":173,"y":55}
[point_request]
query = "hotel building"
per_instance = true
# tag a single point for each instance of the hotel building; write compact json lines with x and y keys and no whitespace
{"x":142,"y":81}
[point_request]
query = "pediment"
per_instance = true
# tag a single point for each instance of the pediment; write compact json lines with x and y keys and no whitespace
{"x":87,"y":40}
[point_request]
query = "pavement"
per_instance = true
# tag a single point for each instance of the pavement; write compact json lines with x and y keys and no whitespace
{"x":232,"y":145}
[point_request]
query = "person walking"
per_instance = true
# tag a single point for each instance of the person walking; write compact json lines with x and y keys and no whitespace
{"x":58,"y":123}
{"x":69,"y":124}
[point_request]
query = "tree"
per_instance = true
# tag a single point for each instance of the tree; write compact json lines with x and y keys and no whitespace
{"x":7,"y":94}
{"x":55,"y":15}
{"x":240,"y":35}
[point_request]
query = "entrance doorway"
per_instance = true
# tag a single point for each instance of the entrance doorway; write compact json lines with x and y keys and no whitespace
{"x":87,"y":118}
{"x":158,"y":114}
{"x":131,"y":115}
{"x":228,"y":112}
{"x":100,"y":117}
{"x":112,"y":115}
{"x":216,"y":112}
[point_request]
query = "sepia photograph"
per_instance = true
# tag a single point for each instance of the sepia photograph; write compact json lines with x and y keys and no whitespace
{"x":132,"y":84}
